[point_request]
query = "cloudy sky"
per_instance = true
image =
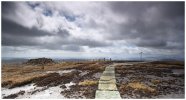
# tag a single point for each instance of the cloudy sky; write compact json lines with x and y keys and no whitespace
{"x":93,"y":29}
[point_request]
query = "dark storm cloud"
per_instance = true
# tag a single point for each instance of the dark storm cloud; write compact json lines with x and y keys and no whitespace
{"x":90,"y":43}
{"x":9,"y":40}
{"x":63,"y":32}
{"x":17,"y":35}
{"x":151,"y":24}
{"x":131,"y":8}
{"x":158,"y":25}
{"x":72,"y":48}
{"x":13,"y":28}
{"x":14,"y":34}
{"x":172,"y":9}
{"x":166,"y":9}
{"x":74,"y":44}
{"x":8,"y":7}
{"x":61,"y":46}
{"x":156,"y":43}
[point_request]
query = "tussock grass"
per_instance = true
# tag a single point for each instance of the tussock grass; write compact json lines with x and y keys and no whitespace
{"x":180,"y":63}
{"x":137,"y":86}
{"x":21,"y":80}
{"x":88,"y":83}
{"x":96,"y":66}
{"x":140,"y":86}
{"x":161,"y":64}
{"x":69,"y":65}
{"x":118,"y":66}
{"x":155,"y":81}
{"x":20,"y":74}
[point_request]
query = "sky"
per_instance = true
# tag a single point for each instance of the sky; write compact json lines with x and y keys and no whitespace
{"x":118,"y":30}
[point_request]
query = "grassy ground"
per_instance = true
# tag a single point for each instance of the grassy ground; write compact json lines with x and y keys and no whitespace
{"x":22,"y":74}
{"x":139,"y":80}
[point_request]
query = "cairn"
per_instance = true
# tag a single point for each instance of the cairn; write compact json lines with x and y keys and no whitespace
{"x":40,"y":61}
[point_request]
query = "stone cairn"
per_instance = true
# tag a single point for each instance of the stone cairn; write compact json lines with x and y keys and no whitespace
{"x":40,"y":61}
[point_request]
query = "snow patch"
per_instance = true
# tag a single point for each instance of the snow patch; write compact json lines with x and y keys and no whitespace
{"x":83,"y":73}
{"x":178,"y":71}
{"x":52,"y":92}
{"x":49,"y":93}
{"x":6,"y":91}
{"x":62,"y":71}
{"x":97,"y":75}
{"x":69,"y":84}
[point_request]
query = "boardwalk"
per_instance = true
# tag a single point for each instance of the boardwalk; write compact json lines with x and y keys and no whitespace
{"x":107,"y":88}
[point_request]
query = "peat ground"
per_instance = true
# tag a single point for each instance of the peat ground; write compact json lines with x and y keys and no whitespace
{"x":151,"y":80}
{"x":80,"y":79}
{"x":83,"y":75}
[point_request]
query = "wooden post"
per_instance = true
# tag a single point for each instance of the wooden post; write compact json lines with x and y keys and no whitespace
{"x":141,"y":56}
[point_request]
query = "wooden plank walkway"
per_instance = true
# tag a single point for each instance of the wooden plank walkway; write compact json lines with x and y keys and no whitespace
{"x":107,"y":88}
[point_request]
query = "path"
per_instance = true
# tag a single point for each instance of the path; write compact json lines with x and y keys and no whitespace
{"x":107,"y":88}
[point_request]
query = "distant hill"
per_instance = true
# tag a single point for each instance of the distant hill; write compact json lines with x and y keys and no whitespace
{"x":13,"y":60}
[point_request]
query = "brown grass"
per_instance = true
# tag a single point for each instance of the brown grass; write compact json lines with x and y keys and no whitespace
{"x":155,"y":81}
{"x":88,"y":83}
{"x":140,"y":86}
{"x":137,"y":86}
{"x":20,"y":74}
{"x":21,"y":80}
{"x":119,"y":67}
{"x":180,"y":63}
{"x":95,"y":66}
{"x":161,"y":64}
